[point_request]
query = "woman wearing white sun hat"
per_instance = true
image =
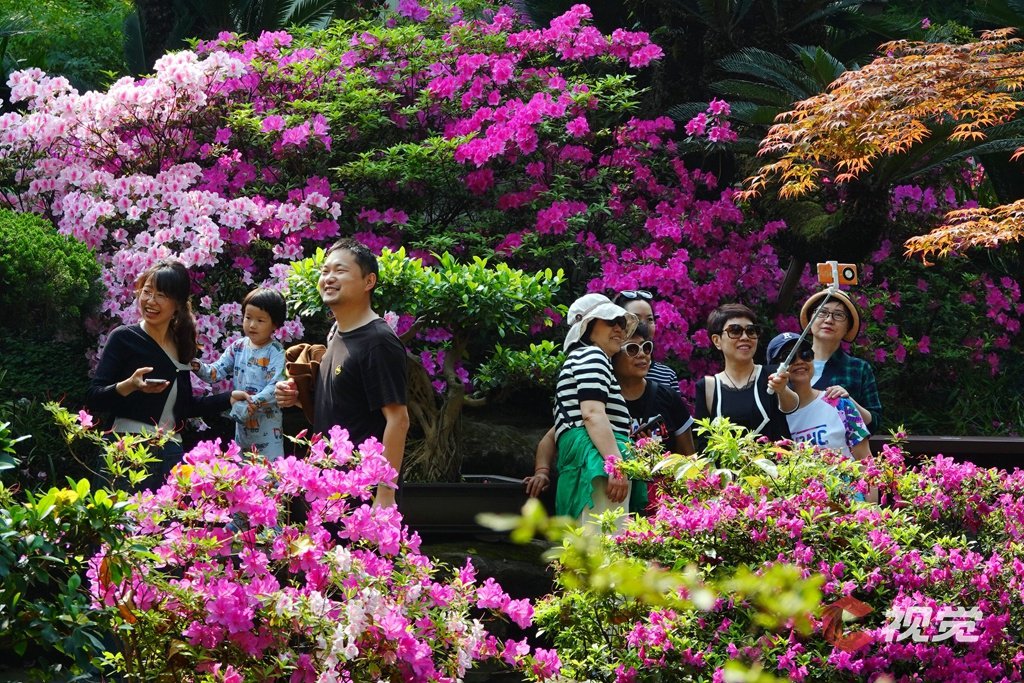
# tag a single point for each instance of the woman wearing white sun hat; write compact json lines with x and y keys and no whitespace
{"x":592,"y":420}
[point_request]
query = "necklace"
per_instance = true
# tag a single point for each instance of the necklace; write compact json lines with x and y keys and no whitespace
{"x":733,"y":383}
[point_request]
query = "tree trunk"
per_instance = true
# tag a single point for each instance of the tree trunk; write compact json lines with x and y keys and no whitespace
{"x":156,"y":22}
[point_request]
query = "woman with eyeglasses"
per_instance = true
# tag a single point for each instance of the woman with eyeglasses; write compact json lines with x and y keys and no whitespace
{"x":640,"y":303}
{"x":143,"y":380}
{"x":836,"y":372}
{"x":820,"y":420}
{"x":592,"y":420}
{"x":740,"y":391}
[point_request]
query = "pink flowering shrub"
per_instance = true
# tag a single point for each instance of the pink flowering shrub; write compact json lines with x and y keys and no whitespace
{"x":438,"y":129}
{"x":947,"y":535}
{"x":239,"y":569}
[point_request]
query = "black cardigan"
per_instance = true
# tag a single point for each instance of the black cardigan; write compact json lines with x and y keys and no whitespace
{"x":128,"y":349}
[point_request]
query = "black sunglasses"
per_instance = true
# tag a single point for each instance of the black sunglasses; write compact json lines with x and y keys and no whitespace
{"x":633,"y":294}
{"x":633,"y":349}
{"x":806,"y":354}
{"x":736,"y":331}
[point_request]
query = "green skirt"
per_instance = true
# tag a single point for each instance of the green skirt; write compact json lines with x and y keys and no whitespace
{"x":578,"y":463}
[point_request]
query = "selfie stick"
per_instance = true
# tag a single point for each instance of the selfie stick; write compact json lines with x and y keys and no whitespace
{"x":796,"y":347}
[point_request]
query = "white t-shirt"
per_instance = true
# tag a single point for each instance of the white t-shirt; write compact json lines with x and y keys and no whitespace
{"x":838,"y":427}
{"x":819,"y":367}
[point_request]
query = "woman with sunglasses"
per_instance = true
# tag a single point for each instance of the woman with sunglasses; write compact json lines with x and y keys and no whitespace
{"x":654,"y":409}
{"x":827,"y":422}
{"x":591,"y":417}
{"x":740,"y":391}
{"x":837,"y":373}
{"x":649,"y":402}
{"x":640,"y":303}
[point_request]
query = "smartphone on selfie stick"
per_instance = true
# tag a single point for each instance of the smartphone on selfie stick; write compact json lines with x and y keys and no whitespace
{"x":830,"y":273}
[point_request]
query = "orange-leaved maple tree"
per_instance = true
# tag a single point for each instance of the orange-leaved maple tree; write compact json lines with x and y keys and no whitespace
{"x":905,"y":98}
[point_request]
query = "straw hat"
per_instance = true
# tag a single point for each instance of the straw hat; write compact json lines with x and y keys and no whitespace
{"x":842,"y":297}
{"x":591,"y":307}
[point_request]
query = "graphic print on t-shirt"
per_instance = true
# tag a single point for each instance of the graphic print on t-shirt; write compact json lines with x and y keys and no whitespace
{"x":816,"y":435}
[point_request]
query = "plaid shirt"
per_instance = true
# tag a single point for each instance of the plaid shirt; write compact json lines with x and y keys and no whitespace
{"x":857,"y":377}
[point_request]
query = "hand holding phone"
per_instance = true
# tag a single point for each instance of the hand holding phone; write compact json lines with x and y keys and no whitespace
{"x":649,"y":426}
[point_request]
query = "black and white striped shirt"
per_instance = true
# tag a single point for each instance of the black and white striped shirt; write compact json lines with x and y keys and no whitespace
{"x":663,"y":374}
{"x":587,"y":375}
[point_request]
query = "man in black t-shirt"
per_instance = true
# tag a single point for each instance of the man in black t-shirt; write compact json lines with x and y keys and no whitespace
{"x":362,"y":384}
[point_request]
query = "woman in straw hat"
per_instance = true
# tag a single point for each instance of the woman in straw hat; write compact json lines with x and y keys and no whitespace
{"x":592,"y":420}
{"x":836,"y":372}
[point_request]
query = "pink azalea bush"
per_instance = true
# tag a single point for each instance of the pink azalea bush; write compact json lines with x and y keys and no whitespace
{"x":239,"y":569}
{"x":947,"y":535}
{"x":441,"y":128}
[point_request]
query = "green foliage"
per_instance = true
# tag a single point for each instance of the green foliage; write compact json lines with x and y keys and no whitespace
{"x":7,"y":442}
{"x":46,"y":541}
{"x":47,"y":617}
{"x":78,"y":39}
{"x":475,"y":303}
{"x":603,"y":592}
{"x":465,"y":298}
{"x":510,"y":369}
{"x":31,"y":373}
{"x":48,"y":282}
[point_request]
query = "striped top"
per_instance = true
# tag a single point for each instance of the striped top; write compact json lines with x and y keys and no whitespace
{"x":663,"y":374}
{"x":587,"y":375}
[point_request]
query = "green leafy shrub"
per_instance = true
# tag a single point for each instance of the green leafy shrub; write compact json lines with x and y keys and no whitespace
{"x":32,"y":373}
{"x":81,"y":40}
{"x":48,"y":282}
{"x":48,"y":621}
{"x":535,"y":367}
{"x":447,"y":313}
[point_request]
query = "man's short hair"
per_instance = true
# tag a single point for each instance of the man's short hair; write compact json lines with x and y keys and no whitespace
{"x":365,"y":258}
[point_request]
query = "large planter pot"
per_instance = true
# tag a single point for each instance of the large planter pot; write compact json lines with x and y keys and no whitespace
{"x":453,"y":507}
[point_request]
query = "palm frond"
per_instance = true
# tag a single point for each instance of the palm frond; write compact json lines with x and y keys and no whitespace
{"x":770,"y":68}
{"x":734,"y":90}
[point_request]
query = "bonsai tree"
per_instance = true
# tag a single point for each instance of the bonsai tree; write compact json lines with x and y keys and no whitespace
{"x":448,"y":314}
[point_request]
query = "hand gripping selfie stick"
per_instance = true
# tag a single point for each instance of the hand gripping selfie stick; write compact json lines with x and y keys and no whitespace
{"x":828,"y":272}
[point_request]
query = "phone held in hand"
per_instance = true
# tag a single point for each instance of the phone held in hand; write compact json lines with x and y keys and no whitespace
{"x":650,"y":425}
{"x":154,"y":382}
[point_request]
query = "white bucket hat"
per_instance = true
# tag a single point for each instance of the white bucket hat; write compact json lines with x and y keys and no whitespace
{"x":595,"y":307}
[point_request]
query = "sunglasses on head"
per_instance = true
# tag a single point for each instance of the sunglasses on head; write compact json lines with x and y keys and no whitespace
{"x":633,"y":349}
{"x":737,"y":331}
{"x":633,"y":294}
{"x":806,"y":354}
